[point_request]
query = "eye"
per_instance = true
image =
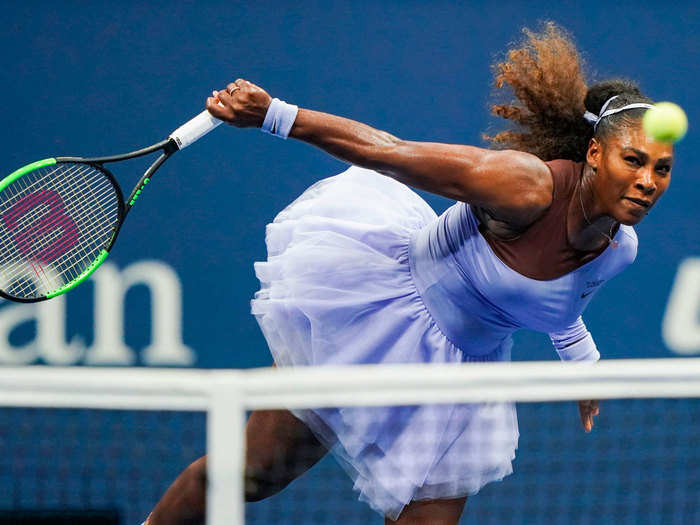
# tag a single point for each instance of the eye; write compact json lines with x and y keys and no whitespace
{"x":665,"y":169}
{"x":631,"y":159}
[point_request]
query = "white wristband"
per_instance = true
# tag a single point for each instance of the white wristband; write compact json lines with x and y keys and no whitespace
{"x":279,"y":118}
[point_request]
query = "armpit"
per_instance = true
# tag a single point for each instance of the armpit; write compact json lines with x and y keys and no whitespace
{"x":489,"y":223}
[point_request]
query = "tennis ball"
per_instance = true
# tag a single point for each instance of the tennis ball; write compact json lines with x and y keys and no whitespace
{"x":665,"y":122}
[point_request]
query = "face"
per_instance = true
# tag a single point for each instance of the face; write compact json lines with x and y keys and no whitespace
{"x":632,"y":172}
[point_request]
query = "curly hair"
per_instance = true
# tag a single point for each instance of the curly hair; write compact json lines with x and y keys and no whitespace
{"x":545,"y":75}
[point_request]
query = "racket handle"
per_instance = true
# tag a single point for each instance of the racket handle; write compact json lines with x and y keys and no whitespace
{"x":193,"y":130}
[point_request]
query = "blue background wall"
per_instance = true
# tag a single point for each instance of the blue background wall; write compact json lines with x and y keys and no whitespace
{"x":95,"y":78}
{"x":89,"y":78}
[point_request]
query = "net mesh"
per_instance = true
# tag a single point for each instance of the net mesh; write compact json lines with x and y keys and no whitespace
{"x":54,"y":222}
{"x":639,"y":465}
{"x":68,"y":460}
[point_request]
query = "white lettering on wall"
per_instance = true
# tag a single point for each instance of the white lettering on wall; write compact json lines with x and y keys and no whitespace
{"x":50,"y":341}
{"x":166,"y":346}
{"x":681,"y":324}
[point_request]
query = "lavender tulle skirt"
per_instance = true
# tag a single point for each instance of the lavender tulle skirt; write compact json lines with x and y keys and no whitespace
{"x":337,"y":289}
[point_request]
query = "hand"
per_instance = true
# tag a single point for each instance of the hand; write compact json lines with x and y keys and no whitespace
{"x":241,"y":104}
{"x":587,"y":410}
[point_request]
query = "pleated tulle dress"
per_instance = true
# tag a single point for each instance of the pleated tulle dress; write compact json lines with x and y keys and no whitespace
{"x":361,"y":270}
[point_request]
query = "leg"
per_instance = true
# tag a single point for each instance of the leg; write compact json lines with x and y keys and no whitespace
{"x":184,"y":501}
{"x":280,"y":448}
{"x":431,"y":512}
{"x":273,"y":441}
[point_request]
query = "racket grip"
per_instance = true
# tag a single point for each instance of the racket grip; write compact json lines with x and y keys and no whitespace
{"x":193,"y":130}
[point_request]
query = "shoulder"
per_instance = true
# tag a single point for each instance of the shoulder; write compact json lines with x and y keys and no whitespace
{"x":564,"y":167}
{"x":625,"y":253}
{"x":529,"y":192}
{"x":629,"y":243}
{"x":565,"y":173}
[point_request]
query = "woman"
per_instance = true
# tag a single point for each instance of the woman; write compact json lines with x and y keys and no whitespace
{"x":360,"y":270}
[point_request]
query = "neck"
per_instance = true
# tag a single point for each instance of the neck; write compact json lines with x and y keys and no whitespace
{"x":588,"y":228}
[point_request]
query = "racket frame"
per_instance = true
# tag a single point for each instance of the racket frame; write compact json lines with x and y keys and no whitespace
{"x":168,"y":148}
{"x":190,"y":132}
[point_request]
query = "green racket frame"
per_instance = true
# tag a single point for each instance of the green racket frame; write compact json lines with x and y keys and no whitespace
{"x":168,"y":147}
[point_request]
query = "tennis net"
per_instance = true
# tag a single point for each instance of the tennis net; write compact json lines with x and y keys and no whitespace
{"x":117,"y":438}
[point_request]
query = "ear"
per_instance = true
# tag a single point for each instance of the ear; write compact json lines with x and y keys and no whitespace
{"x":594,"y":153}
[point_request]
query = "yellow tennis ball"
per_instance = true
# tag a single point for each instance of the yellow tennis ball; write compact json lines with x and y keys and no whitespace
{"x":665,"y":122}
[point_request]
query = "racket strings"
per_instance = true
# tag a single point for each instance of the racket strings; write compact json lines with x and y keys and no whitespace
{"x":89,"y":214}
{"x":52,"y":241}
{"x":41,"y":233}
{"x":36,"y":237}
{"x":54,"y":222}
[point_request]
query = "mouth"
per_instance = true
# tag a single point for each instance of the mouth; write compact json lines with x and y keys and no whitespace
{"x":639,"y":202}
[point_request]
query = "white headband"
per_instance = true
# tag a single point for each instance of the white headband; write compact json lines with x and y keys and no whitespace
{"x":595,"y":119}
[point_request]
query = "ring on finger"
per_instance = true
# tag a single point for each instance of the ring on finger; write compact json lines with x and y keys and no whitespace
{"x":233,"y":89}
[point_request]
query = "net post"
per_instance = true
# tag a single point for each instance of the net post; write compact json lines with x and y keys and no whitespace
{"x":226,"y":450}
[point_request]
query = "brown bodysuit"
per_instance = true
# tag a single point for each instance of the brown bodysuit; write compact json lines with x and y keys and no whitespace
{"x":542,"y":251}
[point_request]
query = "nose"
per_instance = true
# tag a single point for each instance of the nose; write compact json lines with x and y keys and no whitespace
{"x":646,"y":183}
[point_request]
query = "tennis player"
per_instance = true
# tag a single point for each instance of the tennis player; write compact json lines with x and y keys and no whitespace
{"x":361,"y":270}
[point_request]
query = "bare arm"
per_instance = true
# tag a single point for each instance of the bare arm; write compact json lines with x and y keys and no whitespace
{"x":516,"y":186}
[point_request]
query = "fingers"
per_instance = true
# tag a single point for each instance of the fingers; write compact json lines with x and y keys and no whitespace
{"x":587,"y":422}
{"x":225,"y":98}
{"x":233,"y":87}
{"x":241,"y":104}
{"x":586,"y":418}
{"x":215,"y":108}
{"x":588,"y":410}
{"x":220,"y":105}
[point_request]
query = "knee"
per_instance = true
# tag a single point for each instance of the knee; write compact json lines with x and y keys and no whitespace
{"x":195,"y":475}
{"x":261,"y":484}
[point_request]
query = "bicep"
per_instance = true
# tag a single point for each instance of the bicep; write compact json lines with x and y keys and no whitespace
{"x":511,"y":183}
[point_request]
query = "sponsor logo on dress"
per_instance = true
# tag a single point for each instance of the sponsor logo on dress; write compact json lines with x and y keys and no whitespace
{"x":591,"y":286}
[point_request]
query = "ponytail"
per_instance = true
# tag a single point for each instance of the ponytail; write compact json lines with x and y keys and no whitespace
{"x":545,"y":75}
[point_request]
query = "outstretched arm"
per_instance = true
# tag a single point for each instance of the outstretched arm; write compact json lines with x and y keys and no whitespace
{"x":575,"y":343}
{"x":516,"y":186}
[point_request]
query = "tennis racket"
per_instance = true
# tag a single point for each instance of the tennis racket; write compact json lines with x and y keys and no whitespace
{"x":60,"y":217}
